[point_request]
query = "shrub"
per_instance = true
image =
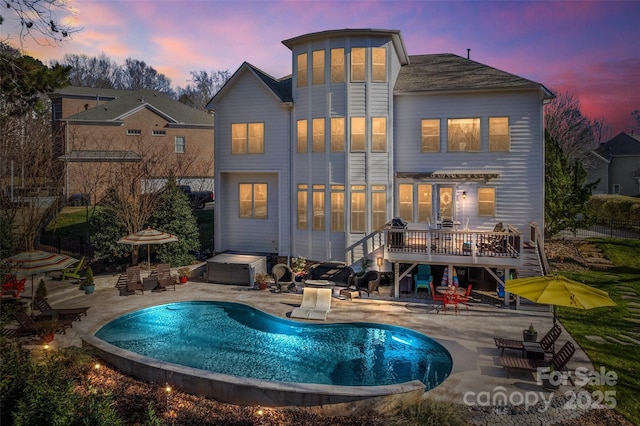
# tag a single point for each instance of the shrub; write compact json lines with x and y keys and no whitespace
{"x":616,"y":207}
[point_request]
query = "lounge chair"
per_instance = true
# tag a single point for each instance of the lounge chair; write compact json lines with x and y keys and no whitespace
{"x":369,"y":282}
{"x":72,"y":272}
{"x":29,"y":327}
{"x":165,"y":280}
{"x":546,"y":342}
{"x":134,"y":283}
{"x":283,"y":277}
{"x":63,"y":313}
{"x":323,"y":305}
{"x":309,"y":299}
{"x":558,"y":362}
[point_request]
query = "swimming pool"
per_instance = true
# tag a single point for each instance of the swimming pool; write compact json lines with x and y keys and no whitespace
{"x":237,"y":340}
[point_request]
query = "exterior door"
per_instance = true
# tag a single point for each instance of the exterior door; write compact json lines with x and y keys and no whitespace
{"x":445,"y":203}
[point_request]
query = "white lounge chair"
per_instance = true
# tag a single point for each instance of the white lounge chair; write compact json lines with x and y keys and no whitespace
{"x":309,"y":298}
{"x":323,"y":305}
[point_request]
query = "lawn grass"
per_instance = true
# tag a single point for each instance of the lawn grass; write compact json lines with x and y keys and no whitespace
{"x":611,"y":322}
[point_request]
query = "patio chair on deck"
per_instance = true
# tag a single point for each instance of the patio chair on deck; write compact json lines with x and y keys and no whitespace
{"x":165,"y":280}
{"x":546,"y":342}
{"x":309,"y":299}
{"x":323,"y":305}
{"x":46,"y":309}
{"x":283,"y":277}
{"x":369,"y":282}
{"x":73,"y":272}
{"x":134,"y":282}
{"x":558,"y":362}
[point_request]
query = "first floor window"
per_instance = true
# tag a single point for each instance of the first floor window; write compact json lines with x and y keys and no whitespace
{"x":358,"y":208}
{"x":357,"y":134}
{"x":430,"y":135}
{"x":303,"y":190}
{"x":337,"y":208}
{"x":464,"y":134}
{"x":378,"y":134}
{"x":318,"y":135}
{"x":486,"y":201}
{"x":378,"y":206}
{"x":253,"y":200}
{"x":499,"y":134}
{"x":180,"y":144}
{"x":318,"y":208}
{"x":405,"y":195}
{"x":337,"y":134}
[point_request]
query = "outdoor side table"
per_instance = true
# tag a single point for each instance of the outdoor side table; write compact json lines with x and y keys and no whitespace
{"x":532,"y":350}
{"x":149,"y":283}
{"x":350,"y":293}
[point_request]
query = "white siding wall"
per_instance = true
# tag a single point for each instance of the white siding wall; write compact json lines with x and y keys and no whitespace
{"x":519,"y":189}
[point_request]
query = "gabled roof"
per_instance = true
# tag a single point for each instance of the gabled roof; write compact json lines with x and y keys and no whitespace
{"x":122,"y":103}
{"x":620,"y":145}
{"x":449,"y":72}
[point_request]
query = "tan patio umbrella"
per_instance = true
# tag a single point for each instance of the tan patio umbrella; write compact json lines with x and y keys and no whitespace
{"x":148,"y":237}
{"x":35,"y":262}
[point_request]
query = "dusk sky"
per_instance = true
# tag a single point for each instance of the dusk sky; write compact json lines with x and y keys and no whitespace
{"x":590,"y":48}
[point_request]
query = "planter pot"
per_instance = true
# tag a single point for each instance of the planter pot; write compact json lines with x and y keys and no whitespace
{"x":48,"y":338}
{"x":528,"y":336}
{"x":88,"y":289}
{"x":183,"y":280}
{"x":263,"y":286}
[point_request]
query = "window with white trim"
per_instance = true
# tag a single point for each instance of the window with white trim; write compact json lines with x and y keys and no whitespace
{"x":337,"y":208}
{"x":378,"y":64}
{"x":253,"y":200}
{"x":247,"y":138}
{"x":302,"y":135}
{"x":499,"y":134}
{"x":405,"y":201}
{"x":134,"y":132}
{"x":303,"y":200}
{"x":358,"y":196}
{"x":425,"y":202}
{"x":317,"y":62}
{"x":302,"y":70}
{"x":180,"y":144}
{"x":464,"y":134}
{"x":337,"y":65}
{"x":159,"y":133}
{"x":378,"y":134}
{"x":358,"y":70}
{"x":486,"y":201}
{"x":318,"y":207}
{"x":430,"y":135}
{"x":378,"y":206}
{"x":337,"y":134}
{"x":358,"y":125}
{"x":318,"y":135}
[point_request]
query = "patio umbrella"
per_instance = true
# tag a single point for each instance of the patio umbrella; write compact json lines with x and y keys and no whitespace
{"x":148,"y":237}
{"x":445,"y":276}
{"x":35,"y":262}
{"x":557,"y":290}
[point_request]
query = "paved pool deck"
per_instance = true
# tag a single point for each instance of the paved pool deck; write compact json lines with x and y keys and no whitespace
{"x":477,"y":378}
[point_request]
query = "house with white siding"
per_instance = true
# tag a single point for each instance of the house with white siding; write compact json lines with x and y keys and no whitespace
{"x":318,"y":163}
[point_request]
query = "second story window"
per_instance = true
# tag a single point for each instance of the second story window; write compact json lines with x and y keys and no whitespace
{"x":357,"y":134}
{"x":318,"y":66}
{"x":302,"y":135}
{"x":499,"y":134}
{"x":180,"y":144}
{"x":159,"y":132}
{"x":247,"y":138}
{"x":337,"y":208}
{"x":358,"y":208}
{"x":337,"y":134}
{"x":464,"y":134}
{"x":318,"y":135}
{"x":430,"y":135}
{"x":358,"y":71}
{"x":378,"y":134}
{"x":378,"y":64}
{"x":57,"y":111}
{"x":337,"y":65}
{"x":378,"y":206}
{"x":302,"y":70}
{"x":134,"y":132}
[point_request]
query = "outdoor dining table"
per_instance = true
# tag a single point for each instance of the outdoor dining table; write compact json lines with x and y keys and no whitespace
{"x":443,"y":289}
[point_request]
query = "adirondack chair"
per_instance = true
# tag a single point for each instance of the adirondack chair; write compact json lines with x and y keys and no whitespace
{"x":73,"y":272}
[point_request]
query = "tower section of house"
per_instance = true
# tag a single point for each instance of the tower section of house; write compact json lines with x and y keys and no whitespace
{"x":343,"y":116}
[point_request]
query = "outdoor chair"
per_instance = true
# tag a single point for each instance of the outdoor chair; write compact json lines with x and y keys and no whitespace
{"x":435,"y":296}
{"x":47,"y":310}
{"x":73,"y":272}
{"x":546,"y":342}
{"x":283,"y":277}
{"x":11,"y":285}
{"x":423,"y":278}
{"x":29,"y":327}
{"x":464,"y":299}
{"x":340,"y":274}
{"x":165,"y":280}
{"x":323,"y":305}
{"x":309,"y":299}
{"x":134,"y":283}
{"x":558,"y":362}
{"x":495,"y":243}
{"x":369,"y":282}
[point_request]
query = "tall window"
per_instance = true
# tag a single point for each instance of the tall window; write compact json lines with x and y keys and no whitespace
{"x":180,"y":144}
{"x":499,"y":134}
{"x":357,"y":134}
{"x":425,"y":202}
{"x":358,"y":71}
{"x":302,"y":206}
{"x":318,"y":208}
{"x":318,"y":66}
{"x":405,"y":207}
{"x":357,"y":208}
{"x":337,"y":65}
{"x":302,"y":135}
{"x":247,"y":138}
{"x":378,"y":134}
{"x":430,"y":130}
{"x":337,"y":134}
{"x":253,"y":200}
{"x":464,"y":134}
{"x":378,"y":64}
{"x":378,"y":206}
{"x":337,"y":208}
{"x":302,"y":70}
{"x":318,"y":135}
{"x":486,"y":201}
{"x":445,"y":200}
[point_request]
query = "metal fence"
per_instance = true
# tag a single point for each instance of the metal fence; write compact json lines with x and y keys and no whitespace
{"x":71,"y":246}
{"x":607,"y":228}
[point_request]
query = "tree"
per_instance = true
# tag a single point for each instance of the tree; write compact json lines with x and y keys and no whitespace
{"x":174,"y":215}
{"x":138,"y":75}
{"x":92,"y":71}
{"x":568,"y":126}
{"x":106,"y":231}
{"x":566,"y":190}
{"x":42,"y":19}
{"x":205,"y":85}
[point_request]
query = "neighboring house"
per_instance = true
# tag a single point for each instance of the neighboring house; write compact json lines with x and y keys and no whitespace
{"x":103,"y":131}
{"x":316,"y":163}
{"x":616,"y":163}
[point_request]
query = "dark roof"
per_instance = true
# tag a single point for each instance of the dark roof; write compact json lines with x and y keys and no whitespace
{"x":281,"y":87}
{"x":99,"y":156}
{"x":122,"y":103}
{"x":449,"y":72}
{"x":621,"y":144}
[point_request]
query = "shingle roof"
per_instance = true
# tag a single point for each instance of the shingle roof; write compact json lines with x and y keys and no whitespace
{"x":125,"y":102}
{"x":448,"y":72}
{"x":281,"y":87}
{"x":621,"y":144}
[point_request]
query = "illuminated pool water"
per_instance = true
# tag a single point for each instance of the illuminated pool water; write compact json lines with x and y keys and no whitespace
{"x":238,"y":340}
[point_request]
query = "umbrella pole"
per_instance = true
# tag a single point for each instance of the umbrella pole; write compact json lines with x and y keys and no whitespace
{"x":148,"y":260}
{"x":32,"y":299}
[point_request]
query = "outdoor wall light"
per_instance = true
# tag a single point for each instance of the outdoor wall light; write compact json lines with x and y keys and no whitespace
{"x":464,"y":195}
{"x":380,"y":261}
